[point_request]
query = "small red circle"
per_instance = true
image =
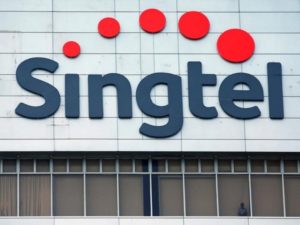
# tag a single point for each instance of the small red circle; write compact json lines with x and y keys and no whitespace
{"x":235,"y":45}
{"x":109,"y":27}
{"x":193,"y":25}
{"x":152,"y":20}
{"x":71,"y":49}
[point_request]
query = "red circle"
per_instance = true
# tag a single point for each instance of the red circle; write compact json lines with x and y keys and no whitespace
{"x":109,"y":27}
{"x":152,"y":20}
{"x":193,"y":25}
{"x":71,"y":49}
{"x":235,"y":45}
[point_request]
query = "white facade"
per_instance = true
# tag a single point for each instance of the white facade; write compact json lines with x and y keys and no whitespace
{"x":39,"y":28}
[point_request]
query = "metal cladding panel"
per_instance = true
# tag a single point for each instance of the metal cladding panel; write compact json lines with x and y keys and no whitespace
{"x":40,"y":28}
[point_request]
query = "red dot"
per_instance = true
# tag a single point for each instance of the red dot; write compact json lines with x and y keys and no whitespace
{"x":235,"y":45}
{"x":109,"y":27}
{"x":71,"y":49}
{"x":193,"y":25}
{"x":152,"y":20}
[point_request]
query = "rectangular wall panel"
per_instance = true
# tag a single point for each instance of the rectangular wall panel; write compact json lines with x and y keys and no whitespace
{"x":40,"y":28}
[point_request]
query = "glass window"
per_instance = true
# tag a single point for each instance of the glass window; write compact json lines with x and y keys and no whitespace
{"x":26,"y":165}
{"x":68,"y":195}
{"x":174,"y":165}
{"x":9,"y":165}
{"x":290,"y":166}
{"x":159,"y":165}
{"x":200,"y":195}
{"x":35,"y":195}
{"x":60,"y":165}
{"x":273,"y":166}
{"x":257,"y":166}
{"x":233,"y":190}
{"x":42,"y":165}
{"x":292,"y":195}
{"x":8,"y":195}
{"x":207,"y":166}
{"x":266,"y":195}
{"x":240,"y":165}
{"x":108,"y":165}
{"x":131,"y":195}
{"x":191,"y":165}
{"x":141,"y":165}
{"x":101,"y":195}
{"x":75,"y":165}
{"x":224,"y":165}
{"x":125,"y":165}
{"x":166,"y":188}
{"x":170,"y":195}
{"x":92,"y":165}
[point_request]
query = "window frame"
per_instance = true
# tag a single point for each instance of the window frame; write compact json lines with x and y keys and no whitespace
{"x":150,"y":172}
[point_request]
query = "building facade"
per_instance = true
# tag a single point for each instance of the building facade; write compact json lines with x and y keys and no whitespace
{"x":121,"y":112}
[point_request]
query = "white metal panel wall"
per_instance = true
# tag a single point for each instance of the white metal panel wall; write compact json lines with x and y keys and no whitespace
{"x":148,"y":221}
{"x":31,"y":28}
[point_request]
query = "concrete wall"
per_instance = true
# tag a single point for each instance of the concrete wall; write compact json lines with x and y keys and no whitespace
{"x":32,"y":28}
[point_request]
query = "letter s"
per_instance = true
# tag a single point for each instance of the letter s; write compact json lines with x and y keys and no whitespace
{"x":36,"y":86}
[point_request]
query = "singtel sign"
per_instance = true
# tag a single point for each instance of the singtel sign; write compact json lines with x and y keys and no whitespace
{"x":228,"y":95}
{"x":233,"y":45}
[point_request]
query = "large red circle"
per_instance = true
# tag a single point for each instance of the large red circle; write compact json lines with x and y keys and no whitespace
{"x":152,"y":20}
{"x":71,"y":49}
{"x":235,"y":45}
{"x":109,"y":27}
{"x":193,"y":25}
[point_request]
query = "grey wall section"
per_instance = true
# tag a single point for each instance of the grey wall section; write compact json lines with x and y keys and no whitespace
{"x":40,"y":28}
